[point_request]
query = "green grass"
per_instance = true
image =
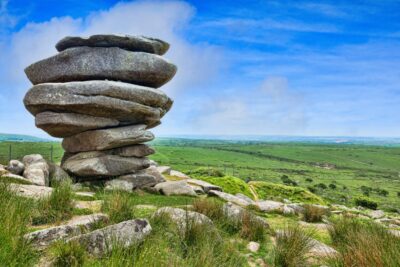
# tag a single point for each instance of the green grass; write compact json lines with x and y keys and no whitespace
{"x":266,"y":190}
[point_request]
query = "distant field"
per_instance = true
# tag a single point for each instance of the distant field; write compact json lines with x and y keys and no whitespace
{"x":348,"y":167}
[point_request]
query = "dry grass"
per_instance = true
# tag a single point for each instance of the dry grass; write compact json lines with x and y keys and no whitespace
{"x":314,"y":213}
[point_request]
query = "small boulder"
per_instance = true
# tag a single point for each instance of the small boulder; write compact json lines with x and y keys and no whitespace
{"x":31,"y":191}
{"x":376,"y":214}
{"x":270,"y":206}
{"x":164,"y":169}
{"x":235,"y":212}
{"x":206,"y":186}
{"x":57,"y":174}
{"x":178,"y":174}
{"x":175,"y":188}
{"x":231,"y":198}
{"x":140,"y":179}
{"x":15,"y":167}
{"x":125,"y":234}
{"x":181,"y":217}
{"x":320,"y":250}
{"x":153,"y":171}
{"x":36,"y":169}
{"x":118,"y":184}
{"x":253,"y":246}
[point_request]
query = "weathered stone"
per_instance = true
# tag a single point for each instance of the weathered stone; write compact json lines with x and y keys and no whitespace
{"x":244,"y":197}
{"x":376,"y":214}
{"x":253,"y":246}
{"x":86,"y":194}
{"x":270,"y":206}
{"x":230,"y":198}
{"x":181,"y":217}
{"x":36,"y":169}
{"x":127,"y":42}
{"x":57,"y":174}
{"x":164,"y":169}
{"x":178,"y":174}
{"x":288,"y":210}
{"x":98,"y":63}
{"x":15,"y":177}
{"x":320,"y":250}
{"x":76,"y":226}
{"x":94,"y":205}
{"x":119,"y":185}
{"x":206,"y":186}
{"x":153,"y":171}
{"x":16,"y":167}
{"x":107,"y":138}
{"x":198,"y":189}
{"x":139,"y":179}
{"x":31,"y":191}
{"x":175,"y":188}
{"x":125,"y":234}
{"x":67,"y":124}
{"x":298,"y":209}
{"x":138,"y":151}
{"x":236,"y":212}
{"x":127,"y":103}
{"x":99,"y":164}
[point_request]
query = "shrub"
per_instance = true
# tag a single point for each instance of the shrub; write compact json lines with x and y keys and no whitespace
{"x":311,"y":189}
{"x":366,"y":202}
{"x":58,"y":206}
{"x":309,"y":180}
{"x":398,"y":194}
{"x":332,"y":186}
{"x":366,"y":190}
{"x":118,"y":206}
{"x":292,"y":246}
{"x":287,"y":181}
{"x":382,"y":192}
{"x":203,"y":171}
{"x":321,"y":186}
{"x":363,"y":243}
{"x":68,"y":254}
{"x":15,"y":215}
{"x":314,"y":213}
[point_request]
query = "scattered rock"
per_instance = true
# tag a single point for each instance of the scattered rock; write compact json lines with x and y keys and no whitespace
{"x":181,"y":217}
{"x":57,"y":174}
{"x":15,"y":167}
{"x":164,"y":169}
{"x":230,"y":198}
{"x":111,"y":63}
{"x":107,"y":138}
{"x":320,"y":250}
{"x":270,"y":206}
{"x":118,"y":184}
{"x":31,"y":191}
{"x":298,"y":208}
{"x":153,"y":171}
{"x":178,"y":174}
{"x":253,"y":246}
{"x":36,"y":169}
{"x":175,"y":188}
{"x":127,"y":42}
{"x":376,"y":214}
{"x":236,"y":212}
{"x":94,"y":205}
{"x":244,"y":197}
{"x":125,"y":234}
{"x":204,"y":185}
{"x":140,"y":179}
{"x":74,"y":227}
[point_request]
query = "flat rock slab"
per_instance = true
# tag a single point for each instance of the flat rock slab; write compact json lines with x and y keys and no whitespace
{"x":98,"y":63}
{"x":320,"y":250}
{"x":103,"y":166}
{"x":127,"y":42}
{"x":175,"y":188}
{"x":125,"y":234}
{"x":67,"y":124}
{"x":204,"y":185}
{"x":153,"y":171}
{"x":107,"y":138}
{"x":178,"y":174}
{"x":31,"y":191}
{"x":73,"y":227}
{"x":127,"y":103}
{"x":270,"y":206}
{"x":230,"y":198}
{"x":236,"y":212}
{"x":164,"y":169}
{"x":94,"y":205}
{"x":140,"y":179}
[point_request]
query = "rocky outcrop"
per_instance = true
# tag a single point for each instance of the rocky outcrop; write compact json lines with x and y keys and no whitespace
{"x":100,"y":94}
{"x":175,"y":188}
{"x":124,"y":234}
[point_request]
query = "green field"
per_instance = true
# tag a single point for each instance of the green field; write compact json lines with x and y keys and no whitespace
{"x":348,"y":167}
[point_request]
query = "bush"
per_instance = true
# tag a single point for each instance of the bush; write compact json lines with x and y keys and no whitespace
{"x":398,"y":194}
{"x":332,"y":186}
{"x":382,"y":192}
{"x":15,"y":215}
{"x":68,"y":254}
{"x":363,"y":243}
{"x":118,"y":206}
{"x":58,"y":206}
{"x":366,"y":203}
{"x":321,"y":186}
{"x":309,"y":180}
{"x":314,"y":213}
{"x":287,"y":181}
{"x":208,"y":172}
{"x":292,"y":246}
{"x":366,"y":190}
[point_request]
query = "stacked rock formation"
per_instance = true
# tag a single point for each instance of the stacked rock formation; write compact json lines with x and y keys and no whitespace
{"x":100,"y":94}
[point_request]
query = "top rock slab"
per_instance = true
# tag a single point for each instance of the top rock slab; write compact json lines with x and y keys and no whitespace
{"x":127,"y":42}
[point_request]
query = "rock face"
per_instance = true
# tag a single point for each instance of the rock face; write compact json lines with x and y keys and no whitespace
{"x":100,"y":94}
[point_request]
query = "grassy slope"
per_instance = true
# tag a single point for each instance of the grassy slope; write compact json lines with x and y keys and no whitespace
{"x":355,"y":165}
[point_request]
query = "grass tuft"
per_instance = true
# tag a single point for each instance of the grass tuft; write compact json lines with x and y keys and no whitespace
{"x":119,"y":206}
{"x":313,"y":214}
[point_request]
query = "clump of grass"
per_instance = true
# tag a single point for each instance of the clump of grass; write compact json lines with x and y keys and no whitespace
{"x":246,"y":224}
{"x":292,"y":246}
{"x":58,"y":206}
{"x":68,"y":254}
{"x":15,"y":215}
{"x":119,"y":207}
{"x":364,"y":243}
{"x":313,"y":213}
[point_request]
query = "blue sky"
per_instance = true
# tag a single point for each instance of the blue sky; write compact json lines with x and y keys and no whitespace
{"x":245,"y":67}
